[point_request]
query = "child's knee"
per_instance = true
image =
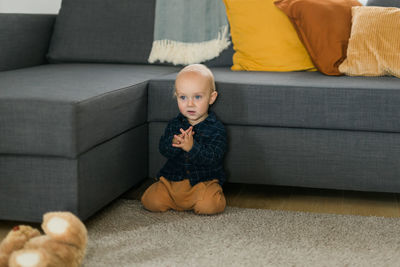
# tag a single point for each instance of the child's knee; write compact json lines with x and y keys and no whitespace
{"x":154,"y":205}
{"x":211,"y":204}
{"x":154,"y":200}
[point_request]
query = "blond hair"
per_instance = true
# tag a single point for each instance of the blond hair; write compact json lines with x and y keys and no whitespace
{"x":199,"y":69}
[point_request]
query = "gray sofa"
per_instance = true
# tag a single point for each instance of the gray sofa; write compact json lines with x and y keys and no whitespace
{"x":81,"y":113}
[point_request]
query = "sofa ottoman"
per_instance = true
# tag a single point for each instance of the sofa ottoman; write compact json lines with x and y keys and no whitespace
{"x":73,"y":136}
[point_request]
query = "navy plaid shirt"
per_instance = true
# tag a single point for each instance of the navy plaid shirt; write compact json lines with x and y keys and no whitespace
{"x":204,"y":161}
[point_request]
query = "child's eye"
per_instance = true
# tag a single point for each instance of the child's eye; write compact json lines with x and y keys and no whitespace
{"x":182,"y":97}
{"x":198,"y":97}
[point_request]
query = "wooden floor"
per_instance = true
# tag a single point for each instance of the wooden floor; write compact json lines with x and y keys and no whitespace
{"x":313,"y":200}
{"x":289,"y":198}
{"x":303,"y":199}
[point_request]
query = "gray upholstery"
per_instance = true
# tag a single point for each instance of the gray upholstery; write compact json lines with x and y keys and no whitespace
{"x":223,"y":60}
{"x":385,"y":3}
{"x":66,"y":109}
{"x":294,"y":99}
{"x":33,"y":185}
{"x":351,"y":160}
{"x":24,"y":39}
{"x":116,"y":31}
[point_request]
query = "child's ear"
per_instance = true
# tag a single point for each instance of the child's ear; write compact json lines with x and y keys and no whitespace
{"x":213,"y":96}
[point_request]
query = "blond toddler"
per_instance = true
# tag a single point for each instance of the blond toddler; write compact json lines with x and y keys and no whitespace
{"x":194,"y":143}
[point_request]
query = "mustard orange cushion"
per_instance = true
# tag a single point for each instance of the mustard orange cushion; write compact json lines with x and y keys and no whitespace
{"x":374,"y":45}
{"x":324,"y":27}
{"x":264,"y":38}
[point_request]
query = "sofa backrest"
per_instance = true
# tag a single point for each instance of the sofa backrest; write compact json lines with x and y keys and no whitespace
{"x":24,"y":39}
{"x":112,"y":31}
{"x":109,"y":31}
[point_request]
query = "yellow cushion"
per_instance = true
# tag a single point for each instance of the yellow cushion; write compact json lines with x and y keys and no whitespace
{"x":264,"y":38}
{"x":374,"y":44}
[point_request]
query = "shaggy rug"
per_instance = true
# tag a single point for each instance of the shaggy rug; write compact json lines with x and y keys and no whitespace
{"x":124,"y":234}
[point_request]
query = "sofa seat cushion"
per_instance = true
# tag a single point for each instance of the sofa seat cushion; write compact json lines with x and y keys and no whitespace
{"x":66,"y":109}
{"x":293,"y":99}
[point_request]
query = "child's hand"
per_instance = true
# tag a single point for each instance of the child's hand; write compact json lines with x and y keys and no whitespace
{"x":184,"y":140}
{"x":175,"y":141}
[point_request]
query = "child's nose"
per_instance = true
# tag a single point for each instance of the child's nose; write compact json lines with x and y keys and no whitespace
{"x":190,"y":103}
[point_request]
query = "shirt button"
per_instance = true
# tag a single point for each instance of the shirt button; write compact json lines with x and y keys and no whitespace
{"x":187,"y":172}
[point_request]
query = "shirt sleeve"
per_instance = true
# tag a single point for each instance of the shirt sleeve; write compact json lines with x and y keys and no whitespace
{"x":212,"y":152}
{"x":165,"y":145}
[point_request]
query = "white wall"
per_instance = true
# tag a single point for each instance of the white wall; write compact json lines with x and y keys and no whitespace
{"x":30,"y":6}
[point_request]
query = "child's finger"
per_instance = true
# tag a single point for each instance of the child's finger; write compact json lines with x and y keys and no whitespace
{"x":177,"y":145}
{"x":178,"y":138}
{"x":188,"y":129}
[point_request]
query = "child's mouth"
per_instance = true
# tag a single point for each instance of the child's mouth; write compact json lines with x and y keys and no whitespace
{"x":191,"y":112}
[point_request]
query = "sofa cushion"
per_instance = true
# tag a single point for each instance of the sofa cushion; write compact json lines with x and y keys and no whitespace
{"x":293,"y":99}
{"x":264,"y":38}
{"x":374,"y":42}
{"x":66,"y":109}
{"x":324,"y":28}
{"x":118,"y":31}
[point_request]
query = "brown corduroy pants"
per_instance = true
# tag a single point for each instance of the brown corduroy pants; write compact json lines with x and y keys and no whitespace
{"x":204,"y":197}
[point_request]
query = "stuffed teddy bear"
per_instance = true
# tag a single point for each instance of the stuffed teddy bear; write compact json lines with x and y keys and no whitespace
{"x":63,"y":245}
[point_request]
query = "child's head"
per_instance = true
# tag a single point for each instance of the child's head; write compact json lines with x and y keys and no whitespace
{"x":195,"y":91}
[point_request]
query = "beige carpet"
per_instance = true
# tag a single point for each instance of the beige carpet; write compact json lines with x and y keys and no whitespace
{"x":124,"y":234}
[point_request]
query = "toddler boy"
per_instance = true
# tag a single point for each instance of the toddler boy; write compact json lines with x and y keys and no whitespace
{"x":194,"y":143}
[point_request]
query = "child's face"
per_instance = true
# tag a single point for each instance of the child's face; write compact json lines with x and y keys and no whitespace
{"x":194,"y":96}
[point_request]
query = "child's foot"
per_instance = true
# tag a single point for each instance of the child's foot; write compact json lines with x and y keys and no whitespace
{"x":65,"y":227}
{"x":15,"y":240}
{"x":28,"y":258}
